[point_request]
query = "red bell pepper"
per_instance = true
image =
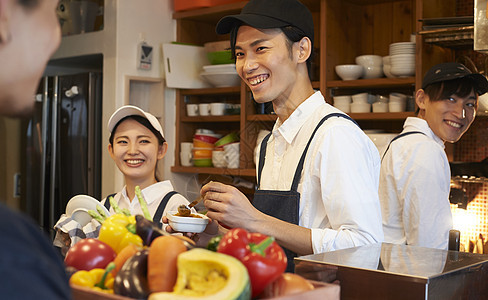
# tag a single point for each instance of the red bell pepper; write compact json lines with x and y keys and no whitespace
{"x":264,"y":259}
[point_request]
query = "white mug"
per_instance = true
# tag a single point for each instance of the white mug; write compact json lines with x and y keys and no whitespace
{"x":186,"y":146}
{"x":218,"y":159}
{"x":232,"y":155}
{"x":185,"y":159}
{"x":192,"y":110}
{"x":204,"y":109}
{"x":217,"y":109}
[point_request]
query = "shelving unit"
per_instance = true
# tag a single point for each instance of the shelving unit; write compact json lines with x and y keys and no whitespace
{"x":344,"y":29}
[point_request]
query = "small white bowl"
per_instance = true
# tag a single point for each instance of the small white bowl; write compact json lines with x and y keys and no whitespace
{"x":397,"y":106}
{"x":375,"y":71}
{"x":222,"y":79}
{"x":341,"y":100}
{"x":360,"y":98}
{"x":187,"y":224}
{"x":398,"y":97}
{"x":387,"y":71}
{"x":360,"y":107}
{"x":346,"y":108}
{"x":349,"y":72}
{"x":369,"y":60}
{"x":380,"y":107}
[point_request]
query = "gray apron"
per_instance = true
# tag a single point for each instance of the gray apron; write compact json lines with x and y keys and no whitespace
{"x":284,"y":205}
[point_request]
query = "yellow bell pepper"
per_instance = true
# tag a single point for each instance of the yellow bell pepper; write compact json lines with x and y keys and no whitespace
{"x":97,"y":279}
{"x":118,"y":231}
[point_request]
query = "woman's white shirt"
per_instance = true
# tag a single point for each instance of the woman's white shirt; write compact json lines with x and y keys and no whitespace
{"x":153,"y":195}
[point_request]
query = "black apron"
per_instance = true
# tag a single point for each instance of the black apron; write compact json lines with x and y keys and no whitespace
{"x":400,"y":136}
{"x":159,"y":212}
{"x":284,"y":205}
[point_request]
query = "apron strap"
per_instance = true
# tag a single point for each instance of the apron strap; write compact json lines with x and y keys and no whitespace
{"x":399,"y":136}
{"x":298,"y":172}
{"x":159,"y":212}
{"x":262,"y":155}
{"x":107,"y":202}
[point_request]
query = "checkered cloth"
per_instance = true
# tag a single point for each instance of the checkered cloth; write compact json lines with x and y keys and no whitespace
{"x":75,"y":231}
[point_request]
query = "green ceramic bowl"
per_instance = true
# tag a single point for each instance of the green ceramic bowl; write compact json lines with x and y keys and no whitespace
{"x":227,"y":139}
{"x":220,"y":57}
{"x":203,"y":162}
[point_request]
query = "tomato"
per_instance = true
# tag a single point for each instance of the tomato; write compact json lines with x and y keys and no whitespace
{"x":88,"y":254}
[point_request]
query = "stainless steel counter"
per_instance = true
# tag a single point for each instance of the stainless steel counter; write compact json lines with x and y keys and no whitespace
{"x":388,"y":271}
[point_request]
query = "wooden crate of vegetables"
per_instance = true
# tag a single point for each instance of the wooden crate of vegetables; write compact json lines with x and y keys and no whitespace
{"x":134,"y":259}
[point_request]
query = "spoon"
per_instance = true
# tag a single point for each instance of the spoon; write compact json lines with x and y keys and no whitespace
{"x":185,"y":210}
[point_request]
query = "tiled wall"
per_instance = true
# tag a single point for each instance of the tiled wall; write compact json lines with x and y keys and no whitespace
{"x":473,"y":147}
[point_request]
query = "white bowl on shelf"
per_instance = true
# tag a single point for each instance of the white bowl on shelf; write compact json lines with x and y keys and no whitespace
{"x":349,"y":72}
{"x":220,"y":68}
{"x":222,"y":79}
{"x":342,"y":100}
{"x":360,"y":98}
{"x":369,"y":60}
{"x":360,"y":107}
{"x":345,"y":107}
{"x":380,"y":107}
{"x":397,"y":106}
{"x":371,"y":72}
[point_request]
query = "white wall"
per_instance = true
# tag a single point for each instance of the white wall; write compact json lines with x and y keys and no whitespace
{"x":125,"y":23}
{"x":151,"y":20}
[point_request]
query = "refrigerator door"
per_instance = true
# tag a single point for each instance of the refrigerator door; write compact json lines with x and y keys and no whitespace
{"x":78,"y":145}
{"x":35,"y":162}
{"x":63,"y":140}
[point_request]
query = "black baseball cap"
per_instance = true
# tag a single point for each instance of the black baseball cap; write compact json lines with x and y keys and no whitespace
{"x":266,"y":14}
{"x":453,"y":70}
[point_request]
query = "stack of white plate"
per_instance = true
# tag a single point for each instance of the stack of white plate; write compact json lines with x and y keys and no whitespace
{"x":402,"y":59}
{"x":221,"y":75}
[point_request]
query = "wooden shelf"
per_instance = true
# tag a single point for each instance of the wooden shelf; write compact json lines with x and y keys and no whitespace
{"x":372,"y":83}
{"x":210,"y":14}
{"x":231,"y":118}
{"x":211,"y":91}
{"x":355,"y":116}
{"x":262,"y":118}
{"x":217,"y":171}
{"x":382,"y":116}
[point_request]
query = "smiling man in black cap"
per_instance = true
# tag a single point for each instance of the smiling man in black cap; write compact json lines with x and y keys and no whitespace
{"x":318,"y":172}
{"x":415,"y":174}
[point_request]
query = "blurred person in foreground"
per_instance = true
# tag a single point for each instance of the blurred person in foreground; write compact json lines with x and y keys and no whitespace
{"x":317,"y":172}
{"x":415,"y":174}
{"x":30,"y":268}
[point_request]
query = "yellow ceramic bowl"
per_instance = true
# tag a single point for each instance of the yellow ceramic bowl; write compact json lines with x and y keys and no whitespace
{"x":199,"y":153}
{"x":202,"y":144}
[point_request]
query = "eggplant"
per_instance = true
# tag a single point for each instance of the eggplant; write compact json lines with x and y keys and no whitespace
{"x":149,"y":230}
{"x":131,"y":280}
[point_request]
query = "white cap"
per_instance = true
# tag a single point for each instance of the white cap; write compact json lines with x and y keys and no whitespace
{"x":130,"y":110}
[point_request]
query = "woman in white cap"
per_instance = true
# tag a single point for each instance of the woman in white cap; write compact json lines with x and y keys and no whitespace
{"x":415,"y":174}
{"x":136,"y":145}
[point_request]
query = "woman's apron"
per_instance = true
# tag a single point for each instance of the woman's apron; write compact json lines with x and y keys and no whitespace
{"x":159,"y":211}
{"x":284,"y":205}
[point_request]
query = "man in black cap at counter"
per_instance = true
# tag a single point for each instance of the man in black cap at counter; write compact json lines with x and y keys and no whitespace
{"x":415,"y":175}
{"x":318,"y":172}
